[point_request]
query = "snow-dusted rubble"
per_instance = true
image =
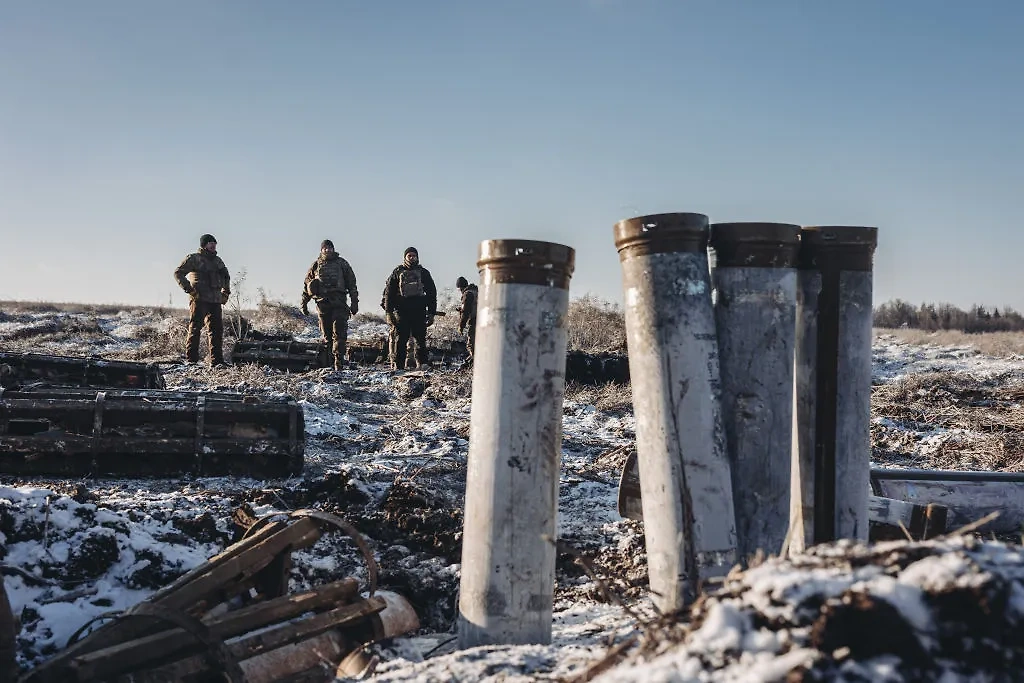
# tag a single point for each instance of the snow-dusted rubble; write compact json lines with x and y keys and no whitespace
{"x":388,"y":453}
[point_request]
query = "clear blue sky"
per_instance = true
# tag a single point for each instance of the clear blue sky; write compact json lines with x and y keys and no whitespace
{"x":130,"y":127}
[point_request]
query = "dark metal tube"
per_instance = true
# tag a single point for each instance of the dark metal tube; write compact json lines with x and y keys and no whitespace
{"x":833,"y":384}
{"x":755,"y":313}
{"x":944,"y":475}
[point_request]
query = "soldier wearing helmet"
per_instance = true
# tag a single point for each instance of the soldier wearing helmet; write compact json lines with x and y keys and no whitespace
{"x":328,"y":281}
{"x":467,"y":313}
{"x":208,"y":289}
{"x":410,"y":302}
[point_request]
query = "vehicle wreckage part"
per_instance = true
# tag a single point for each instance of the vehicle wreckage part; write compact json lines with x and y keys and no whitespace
{"x":830,"y":480}
{"x":508,"y":570}
{"x":755,"y":317}
{"x":77,"y":431}
{"x":22,"y":369}
{"x":690,"y":527}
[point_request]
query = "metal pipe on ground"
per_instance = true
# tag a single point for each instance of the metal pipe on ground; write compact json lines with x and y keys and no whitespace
{"x":830,"y":479}
{"x":755,"y":314}
{"x":689,"y":521}
{"x":508,"y":567}
{"x":910,"y":474}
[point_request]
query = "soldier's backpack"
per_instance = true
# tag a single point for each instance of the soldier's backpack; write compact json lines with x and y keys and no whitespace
{"x":410,"y":283}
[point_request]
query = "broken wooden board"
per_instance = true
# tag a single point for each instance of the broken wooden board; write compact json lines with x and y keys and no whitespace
{"x":969,"y":496}
{"x":195,"y":593}
{"x":925,"y":517}
{"x":22,"y":369}
{"x":176,"y":643}
{"x":77,"y":431}
{"x":920,"y":521}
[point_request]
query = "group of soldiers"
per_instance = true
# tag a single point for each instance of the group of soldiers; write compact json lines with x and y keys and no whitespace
{"x":409,"y":302}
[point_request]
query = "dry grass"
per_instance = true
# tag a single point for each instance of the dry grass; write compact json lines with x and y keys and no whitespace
{"x":56,"y":329}
{"x":970,"y":423}
{"x":999,"y":344}
{"x":274,"y":318}
{"x":161,"y":346}
{"x":254,"y":379}
{"x":369,"y":317}
{"x":596,"y":326}
{"x":609,"y":398}
{"x":14,"y":307}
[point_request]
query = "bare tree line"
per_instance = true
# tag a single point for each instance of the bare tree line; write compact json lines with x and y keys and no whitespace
{"x":979,"y":318}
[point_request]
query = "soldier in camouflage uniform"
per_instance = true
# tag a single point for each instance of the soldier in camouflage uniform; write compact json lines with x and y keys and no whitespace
{"x":410,"y":302}
{"x":328,"y":281}
{"x":467,"y":313}
{"x":208,"y":290}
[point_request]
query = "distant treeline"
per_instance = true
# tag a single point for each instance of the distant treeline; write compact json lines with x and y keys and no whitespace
{"x":899,"y":313}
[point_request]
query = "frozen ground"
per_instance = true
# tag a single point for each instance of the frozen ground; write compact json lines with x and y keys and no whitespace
{"x":388,"y":453}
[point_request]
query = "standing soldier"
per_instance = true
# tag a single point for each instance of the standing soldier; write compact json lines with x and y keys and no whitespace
{"x":467,"y":314}
{"x":328,"y":280}
{"x":410,"y":302}
{"x":208,"y":290}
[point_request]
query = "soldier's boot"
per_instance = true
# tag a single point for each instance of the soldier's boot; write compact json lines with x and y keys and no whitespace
{"x":192,"y":348}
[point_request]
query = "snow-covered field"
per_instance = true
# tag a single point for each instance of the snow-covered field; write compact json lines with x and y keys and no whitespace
{"x":389,"y":452}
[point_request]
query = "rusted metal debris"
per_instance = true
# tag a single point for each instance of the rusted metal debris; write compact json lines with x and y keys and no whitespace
{"x":76,"y":431}
{"x":232,"y":617}
{"x":22,"y":369}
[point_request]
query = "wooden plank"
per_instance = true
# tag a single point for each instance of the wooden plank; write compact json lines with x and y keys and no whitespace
{"x":194,"y":588}
{"x":21,"y":406}
{"x":966,"y":501}
{"x":70,"y":444}
{"x":80,"y":371}
{"x":275,"y":463}
{"x":265,"y":642}
{"x":163,"y":646}
{"x":922,"y":521}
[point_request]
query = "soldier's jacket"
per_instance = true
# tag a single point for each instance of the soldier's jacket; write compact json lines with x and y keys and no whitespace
{"x":328,"y":280}
{"x":210,"y":281}
{"x":467,"y":317}
{"x":410,"y":290}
